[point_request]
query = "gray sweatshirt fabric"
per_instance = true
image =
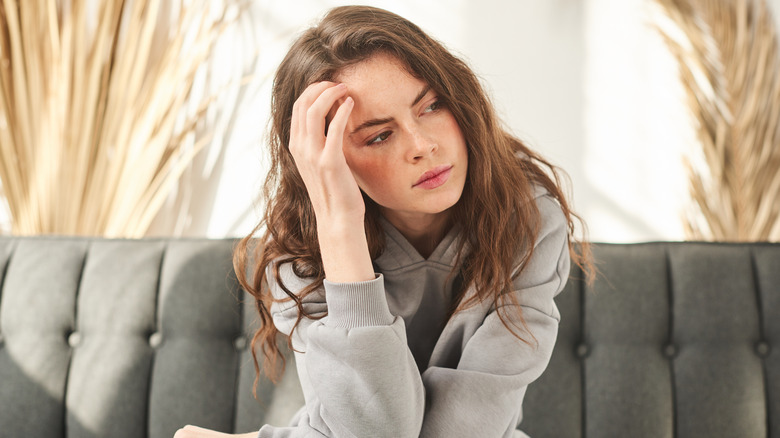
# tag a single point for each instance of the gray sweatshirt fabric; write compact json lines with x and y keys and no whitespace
{"x":386,"y":361}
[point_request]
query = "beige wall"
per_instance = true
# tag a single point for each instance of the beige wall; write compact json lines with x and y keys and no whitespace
{"x":587,"y":83}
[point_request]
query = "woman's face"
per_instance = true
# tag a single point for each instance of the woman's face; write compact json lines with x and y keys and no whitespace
{"x":403,"y":146}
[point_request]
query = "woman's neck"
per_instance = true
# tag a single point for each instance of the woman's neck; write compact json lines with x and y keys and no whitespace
{"x":423,"y":231}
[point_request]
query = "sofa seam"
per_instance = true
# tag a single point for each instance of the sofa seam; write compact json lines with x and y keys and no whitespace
{"x":156,"y":328}
{"x":240,"y":297}
{"x":74,"y":328}
{"x":671,"y":337}
{"x":761,"y":338}
{"x":11,"y":255}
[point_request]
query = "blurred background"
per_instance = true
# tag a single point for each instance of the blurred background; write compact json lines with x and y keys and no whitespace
{"x":590,"y":84}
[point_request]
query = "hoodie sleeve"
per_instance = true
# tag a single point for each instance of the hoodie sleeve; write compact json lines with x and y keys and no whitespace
{"x":482,"y":396}
{"x":358,"y":376}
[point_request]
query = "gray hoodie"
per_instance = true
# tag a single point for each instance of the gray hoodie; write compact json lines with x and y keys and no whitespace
{"x":387,"y":362}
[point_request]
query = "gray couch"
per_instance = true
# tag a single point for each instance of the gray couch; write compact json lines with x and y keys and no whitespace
{"x":135,"y":338}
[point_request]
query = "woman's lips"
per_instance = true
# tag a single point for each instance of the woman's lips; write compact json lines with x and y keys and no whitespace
{"x":434,"y":177}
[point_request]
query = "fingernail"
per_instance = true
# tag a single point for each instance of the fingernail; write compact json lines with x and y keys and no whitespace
{"x":342,"y":85}
{"x":348,"y":100}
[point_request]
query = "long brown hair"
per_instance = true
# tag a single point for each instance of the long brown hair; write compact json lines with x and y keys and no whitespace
{"x":496,"y":211}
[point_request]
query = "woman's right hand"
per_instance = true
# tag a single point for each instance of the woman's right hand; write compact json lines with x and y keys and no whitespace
{"x":199,"y":432}
{"x":319,"y":157}
{"x":334,"y":193}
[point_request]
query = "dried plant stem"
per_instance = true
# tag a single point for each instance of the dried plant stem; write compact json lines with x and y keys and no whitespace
{"x":91,"y":98}
{"x":729,"y":62}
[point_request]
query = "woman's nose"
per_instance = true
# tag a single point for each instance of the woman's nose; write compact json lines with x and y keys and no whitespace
{"x":421,"y":146}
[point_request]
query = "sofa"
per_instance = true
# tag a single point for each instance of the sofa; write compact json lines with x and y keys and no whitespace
{"x":136,"y":338}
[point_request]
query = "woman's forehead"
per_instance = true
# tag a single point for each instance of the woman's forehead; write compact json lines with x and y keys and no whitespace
{"x":382,"y":60}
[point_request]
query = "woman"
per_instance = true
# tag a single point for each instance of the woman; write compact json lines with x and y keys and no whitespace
{"x":412,"y":247}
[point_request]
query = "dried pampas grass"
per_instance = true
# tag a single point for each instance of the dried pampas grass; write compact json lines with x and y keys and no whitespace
{"x":730,"y":68}
{"x":92,"y":137}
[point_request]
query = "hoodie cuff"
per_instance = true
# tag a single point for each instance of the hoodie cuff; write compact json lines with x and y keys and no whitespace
{"x":358,"y":304}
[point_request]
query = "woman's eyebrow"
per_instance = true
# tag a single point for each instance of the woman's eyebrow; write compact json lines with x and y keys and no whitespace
{"x":370,"y":123}
{"x":375,"y":122}
{"x":420,"y":96}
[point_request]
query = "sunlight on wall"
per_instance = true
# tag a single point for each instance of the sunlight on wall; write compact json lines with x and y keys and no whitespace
{"x":636,"y":126}
{"x":219,"y":197}
{"x":587,"y":84}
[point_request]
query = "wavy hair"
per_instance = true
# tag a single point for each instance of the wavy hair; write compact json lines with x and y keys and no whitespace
{"x":496,"y":210}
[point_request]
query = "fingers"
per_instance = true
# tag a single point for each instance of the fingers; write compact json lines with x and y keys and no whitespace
{"x":190,"y":431}
{"x":319,"y":157}
{"x":319,"y":109}
{"x":300,"y":108}
{"x":312,"y":107}
{"x":337,"y":126}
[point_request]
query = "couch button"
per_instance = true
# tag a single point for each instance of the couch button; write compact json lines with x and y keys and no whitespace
{"x":74,"y":339}
{"x":240,"y":343}
{"x":583,"y":350}
{"x":762,"y":349}
{"x":155,"y":340}
{"x":670,"y":350}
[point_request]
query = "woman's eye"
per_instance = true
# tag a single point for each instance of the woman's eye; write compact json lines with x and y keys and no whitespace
{"x":379,"y":138}
{"x":434,"y":106}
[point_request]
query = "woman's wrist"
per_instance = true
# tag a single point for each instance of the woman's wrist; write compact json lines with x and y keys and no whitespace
{"x":341,"y":221}
{"x":344,"y":251}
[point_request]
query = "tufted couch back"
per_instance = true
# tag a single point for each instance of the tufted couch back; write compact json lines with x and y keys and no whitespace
{"x":126,"y":338}
{"x":135,"y":338}
{"x":672,"y":340}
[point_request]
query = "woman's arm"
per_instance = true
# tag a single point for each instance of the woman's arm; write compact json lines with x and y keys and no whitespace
{"x":483,"y":395}
{"x":361,"y":380}
{"x":334,"y":193}
{"x":357,"y":373}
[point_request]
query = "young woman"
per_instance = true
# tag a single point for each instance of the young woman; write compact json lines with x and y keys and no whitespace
{"x":412,"y":247}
